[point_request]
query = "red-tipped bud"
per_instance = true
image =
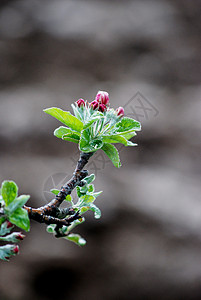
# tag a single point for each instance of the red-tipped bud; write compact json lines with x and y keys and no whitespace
{"x":20,"y":236}
{"x":102,"y":97}
{"x":9,"y":224}
{"x":80,"y":102}
{"x":102,"y":107}
{"x":120,"y":111}
{"x":16,"y":249}
{"x":94,"y":104}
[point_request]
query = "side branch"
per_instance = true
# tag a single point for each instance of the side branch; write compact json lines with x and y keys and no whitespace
{"x":51,"y":213}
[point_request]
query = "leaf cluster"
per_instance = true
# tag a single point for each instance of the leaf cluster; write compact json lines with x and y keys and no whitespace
{"x":94,"y":130}
{"x":13,"y":213}
{"x":86,"y":196}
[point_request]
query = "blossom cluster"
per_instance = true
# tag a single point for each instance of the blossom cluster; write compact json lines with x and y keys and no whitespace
{"x":101,"y":103}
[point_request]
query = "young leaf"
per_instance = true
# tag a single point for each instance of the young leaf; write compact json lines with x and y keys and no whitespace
{"x":96,"y":210}
{"x":65,"y":117}
{"x":85,"y":200}
{"x":84,"y":189}
{"x":90,"y":178}
{"x":18,"y":202}
{"x":128,"y":134}
{"x":76,"y":238}
{"x":88,"y":145}
{"x":115,"y":139}
{"x":60,"y":131}
{"x":112,"y":153}
{"x":71,"y":137}
{"x":68,"y":198}
{"x":77,"y":112}
{"x":9,"y":191}
{"x":91,"y":121}
{"x":20,"y":218}
{"x":90,"y":188}
{"x":85,"y":139}
{"x":54,"y":191}
{"x":127,"y":124}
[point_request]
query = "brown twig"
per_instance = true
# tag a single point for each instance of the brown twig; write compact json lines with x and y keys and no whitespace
{"x":51,"y":213}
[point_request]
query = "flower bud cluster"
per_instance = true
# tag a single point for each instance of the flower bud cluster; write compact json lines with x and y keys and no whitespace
{"x":101,"y":103}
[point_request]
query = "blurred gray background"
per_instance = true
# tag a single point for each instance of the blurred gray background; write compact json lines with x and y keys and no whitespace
{"x":146,"y":54}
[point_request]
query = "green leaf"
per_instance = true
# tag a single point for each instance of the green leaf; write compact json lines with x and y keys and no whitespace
{"x":78,"y":191}
{"x":65,"y":117}
{"x":76,"y":238}
{"x":68,"y":198}
{"x":115,"y":139}
{"x":18,"y":202}
{"x":87,"y":145}
{"x":2,"y":219}
{"x":71,"y":137}
{"x":20,"y":218}
{"x":67,"y":229}
{"x":85,"y":139}
{"x":90,"y":178}
{"x":9,"y":191}
{"x":85,"y":200}
{"x":127,"y":124}
{"x":54,"y":191}
{"x":112,"y":153}
{"x":60,"y":131}
{"x":96,"y":210}
{"x":128,"y":134}
{"x":91,"y":121}
{"x":84,"y":189}
{"x":97,"y":194}
{"x":91,"y":188}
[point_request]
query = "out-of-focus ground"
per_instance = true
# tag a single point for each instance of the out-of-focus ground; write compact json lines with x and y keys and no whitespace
{"x":147,"y":245}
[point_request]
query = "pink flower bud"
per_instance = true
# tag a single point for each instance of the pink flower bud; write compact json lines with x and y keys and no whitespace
{"x":16,"y":249}
{"x":102,"y":107}
{"x":102,"y":97}
{"x":20,"y":236}
{"x":94,"y":104}
{"x":120,"y":111}
{"x":80,"y":102}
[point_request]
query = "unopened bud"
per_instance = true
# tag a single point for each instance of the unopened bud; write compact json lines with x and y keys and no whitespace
{"x":102,"y":107}
{"x":120,"y":111}
{"x":80,"y":102}
{"x":20,"y":236}
{"x":102,"y":97}
{"x":94,"y":104}
{"x":16,"y":250}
